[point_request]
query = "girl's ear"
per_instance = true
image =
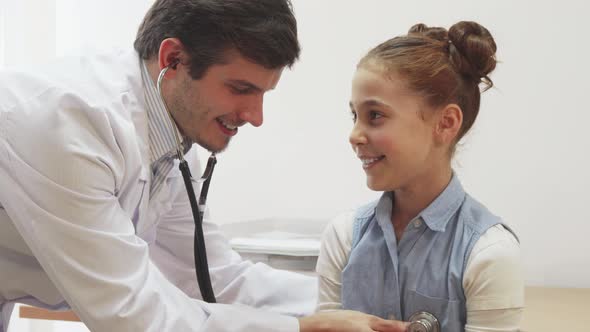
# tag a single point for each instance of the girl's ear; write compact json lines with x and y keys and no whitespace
{"x":448,"y":124}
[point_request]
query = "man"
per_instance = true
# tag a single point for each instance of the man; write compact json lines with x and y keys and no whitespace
{"x":93,"y":211}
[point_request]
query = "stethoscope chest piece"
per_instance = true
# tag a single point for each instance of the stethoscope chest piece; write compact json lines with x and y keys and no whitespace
{"x":423,"y":322}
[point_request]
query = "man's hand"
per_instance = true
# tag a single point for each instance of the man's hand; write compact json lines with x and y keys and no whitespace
{"x":348,"y":321}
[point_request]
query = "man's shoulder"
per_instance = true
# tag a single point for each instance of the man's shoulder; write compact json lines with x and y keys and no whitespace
{"x":94,"y":78}
{"x":76,"y":101}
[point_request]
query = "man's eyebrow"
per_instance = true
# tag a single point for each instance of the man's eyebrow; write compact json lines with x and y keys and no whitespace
{"x":246,"y":84}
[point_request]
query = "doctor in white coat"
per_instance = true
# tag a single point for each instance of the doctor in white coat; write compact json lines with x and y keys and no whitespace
{"x":94,"y":215}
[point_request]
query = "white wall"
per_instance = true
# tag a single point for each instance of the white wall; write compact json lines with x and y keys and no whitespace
{"x":526,"y":158}
{"x":34,"y":31}
{"x":23,"y":42}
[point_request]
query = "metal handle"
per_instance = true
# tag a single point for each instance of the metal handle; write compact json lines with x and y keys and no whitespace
{"x":423,"y":322}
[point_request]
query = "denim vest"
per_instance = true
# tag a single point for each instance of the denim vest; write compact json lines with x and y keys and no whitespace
{"x":424,"y":271}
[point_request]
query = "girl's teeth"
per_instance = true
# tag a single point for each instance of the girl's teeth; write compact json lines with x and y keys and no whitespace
{"x":368,"y":161}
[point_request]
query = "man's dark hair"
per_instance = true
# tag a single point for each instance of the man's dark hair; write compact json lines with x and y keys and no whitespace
{"x":263,"y":31}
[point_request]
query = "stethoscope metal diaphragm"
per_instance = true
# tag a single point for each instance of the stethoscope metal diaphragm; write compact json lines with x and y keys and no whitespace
{"x":423,"y":322}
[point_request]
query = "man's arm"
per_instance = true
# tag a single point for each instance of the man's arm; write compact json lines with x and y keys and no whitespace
{"x":237,"y":281}
{"x":349,"y":321}
{"x":234,"y":280}
{"x":63,"y":169}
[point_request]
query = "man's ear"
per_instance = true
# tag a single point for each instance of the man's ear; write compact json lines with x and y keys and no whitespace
{"x":171,"y":54}
{"x":448,"y":124}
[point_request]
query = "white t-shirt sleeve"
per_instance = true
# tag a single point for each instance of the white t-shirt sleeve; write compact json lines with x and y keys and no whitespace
{"x":494,"y":283}
{"x":335,"y":248}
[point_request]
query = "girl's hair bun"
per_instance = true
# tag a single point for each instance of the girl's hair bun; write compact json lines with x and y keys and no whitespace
{"x":473,"y":51}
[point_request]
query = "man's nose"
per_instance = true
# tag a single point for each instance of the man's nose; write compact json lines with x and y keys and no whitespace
{"x":253,"y":114}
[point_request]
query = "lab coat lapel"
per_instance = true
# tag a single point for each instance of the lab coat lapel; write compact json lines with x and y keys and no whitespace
{"x":143,"y":217}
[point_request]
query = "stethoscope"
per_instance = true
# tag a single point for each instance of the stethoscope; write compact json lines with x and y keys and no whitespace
{"x":200,"y":252}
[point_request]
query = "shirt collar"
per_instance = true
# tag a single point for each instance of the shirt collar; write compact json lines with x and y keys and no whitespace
{"x":439,"y":212}
{"x":162,"y":140}
{"x":436,"y":215}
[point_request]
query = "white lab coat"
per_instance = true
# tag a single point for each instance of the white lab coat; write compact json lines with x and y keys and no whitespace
{"x":77,"y":225}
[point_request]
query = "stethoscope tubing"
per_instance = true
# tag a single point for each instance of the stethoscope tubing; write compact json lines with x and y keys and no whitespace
{"x":199,"y":248}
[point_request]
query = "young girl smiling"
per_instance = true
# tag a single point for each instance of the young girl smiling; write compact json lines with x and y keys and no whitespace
{"x":425,"y":245}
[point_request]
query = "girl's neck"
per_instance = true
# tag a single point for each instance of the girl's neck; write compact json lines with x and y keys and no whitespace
{"x":411,"y":199}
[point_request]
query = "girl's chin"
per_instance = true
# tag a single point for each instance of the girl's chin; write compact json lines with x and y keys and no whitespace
{"x":376,"y":186}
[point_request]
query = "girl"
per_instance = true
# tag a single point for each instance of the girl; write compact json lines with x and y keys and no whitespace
{"x":425,"y":245}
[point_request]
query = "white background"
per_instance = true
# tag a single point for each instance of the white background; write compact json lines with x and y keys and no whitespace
{"x":526,"y":158}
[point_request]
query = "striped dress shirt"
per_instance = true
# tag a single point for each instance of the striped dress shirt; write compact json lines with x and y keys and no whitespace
{"x":162,"y":140}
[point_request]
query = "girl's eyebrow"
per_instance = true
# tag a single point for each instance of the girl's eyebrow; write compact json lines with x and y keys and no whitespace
{"x":368,"y":103}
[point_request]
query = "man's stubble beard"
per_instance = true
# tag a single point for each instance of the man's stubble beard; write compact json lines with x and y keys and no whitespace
{"x":198,"y":114}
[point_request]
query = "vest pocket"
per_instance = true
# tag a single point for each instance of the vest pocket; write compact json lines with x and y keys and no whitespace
{"x":450,"y":313}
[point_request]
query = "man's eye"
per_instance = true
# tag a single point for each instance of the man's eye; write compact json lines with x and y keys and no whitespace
{"x":240,"y":91}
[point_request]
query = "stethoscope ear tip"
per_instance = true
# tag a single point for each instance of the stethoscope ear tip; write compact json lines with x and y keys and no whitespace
{"x":174,"y":64}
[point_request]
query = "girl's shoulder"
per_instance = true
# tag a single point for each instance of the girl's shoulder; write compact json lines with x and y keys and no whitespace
{"x":340,"y":228}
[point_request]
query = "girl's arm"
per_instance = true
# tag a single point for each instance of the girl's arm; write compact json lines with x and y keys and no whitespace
{"x":334,"y":251}
{"x":494,"y":283}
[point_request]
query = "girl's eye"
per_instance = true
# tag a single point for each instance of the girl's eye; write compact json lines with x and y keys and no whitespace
{"x":353,"y":116}
{"x":374,"y":115}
